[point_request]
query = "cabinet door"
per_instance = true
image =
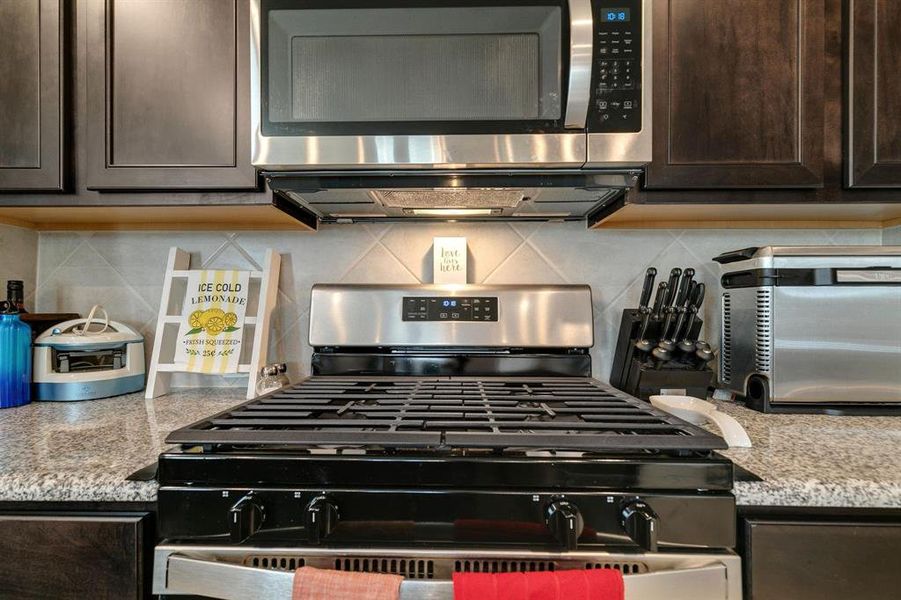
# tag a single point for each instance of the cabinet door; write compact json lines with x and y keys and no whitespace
{"x":168,"y":95}
{"x":738,"y":94}
{"x":821,"y":560}
{"x":874,"y":94}
{"x":31,"y":95}
{"x":64,"y":557}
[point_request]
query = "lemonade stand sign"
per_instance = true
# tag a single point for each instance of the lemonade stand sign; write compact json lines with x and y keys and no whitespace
{"x":211,"y":329}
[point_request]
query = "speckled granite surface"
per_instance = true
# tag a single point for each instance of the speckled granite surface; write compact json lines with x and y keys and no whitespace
{"x":818,"y":460}
{"x":84,"y":451}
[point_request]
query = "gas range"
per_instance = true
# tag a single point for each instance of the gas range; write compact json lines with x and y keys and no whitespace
{"x":425,"y":445}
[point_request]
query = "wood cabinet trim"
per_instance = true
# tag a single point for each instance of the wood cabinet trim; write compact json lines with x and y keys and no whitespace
{"x":865,"y":168}
{"x":70,"y":555}
{"x":51,"y":174}
{"x":806,"y":171}
{"x":102,"y":174}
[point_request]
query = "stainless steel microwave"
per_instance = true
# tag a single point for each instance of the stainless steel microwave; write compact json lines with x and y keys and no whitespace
{"x":450,"y":84}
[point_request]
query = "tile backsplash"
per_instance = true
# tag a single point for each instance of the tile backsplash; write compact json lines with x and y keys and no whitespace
{"x":18,"y":259}
{"x":124,"y":270}
{"x":892,"y":236}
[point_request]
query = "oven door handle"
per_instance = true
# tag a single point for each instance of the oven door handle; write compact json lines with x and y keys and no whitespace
{"x":228,"y":581}
{"x":581,"y":47}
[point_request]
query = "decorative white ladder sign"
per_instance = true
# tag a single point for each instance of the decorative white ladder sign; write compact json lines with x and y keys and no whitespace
{"x":177,"y":267}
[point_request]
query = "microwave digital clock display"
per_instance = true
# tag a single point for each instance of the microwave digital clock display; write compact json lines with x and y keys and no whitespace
{"x":615,"y":15}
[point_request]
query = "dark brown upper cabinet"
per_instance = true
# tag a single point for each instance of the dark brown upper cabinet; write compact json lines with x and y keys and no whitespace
{"x":738,"y":94}
{"x":168,"y":95}
{"x":874,"y":94}
{"x":32,"y":95}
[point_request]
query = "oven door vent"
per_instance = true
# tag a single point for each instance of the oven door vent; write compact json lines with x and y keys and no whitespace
{"x":280,"y":563}
{"x":433,"y":568}
{"x":627,"y":568}
{"x":408,"y":568}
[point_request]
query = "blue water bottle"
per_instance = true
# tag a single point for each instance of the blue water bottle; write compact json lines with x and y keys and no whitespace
{"x":15,"y":358}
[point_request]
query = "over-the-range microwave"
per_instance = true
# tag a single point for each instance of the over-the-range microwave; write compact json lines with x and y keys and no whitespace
{"x":453,"y":87}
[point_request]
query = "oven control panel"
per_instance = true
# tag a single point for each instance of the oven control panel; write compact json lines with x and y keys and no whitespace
{"x":449,"y":308}
{"x":616,"y":74}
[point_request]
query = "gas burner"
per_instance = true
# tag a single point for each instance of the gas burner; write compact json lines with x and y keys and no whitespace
{"x":449,"y":414}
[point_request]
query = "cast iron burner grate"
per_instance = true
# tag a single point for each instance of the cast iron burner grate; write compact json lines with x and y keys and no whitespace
{"x":559,"y":413}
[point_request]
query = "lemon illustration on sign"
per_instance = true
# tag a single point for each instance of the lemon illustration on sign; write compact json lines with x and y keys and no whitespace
{"x":196,"y":319}
{"x":212,"y":313}
{"x":215,"y":325}
{"x":213,"y":321}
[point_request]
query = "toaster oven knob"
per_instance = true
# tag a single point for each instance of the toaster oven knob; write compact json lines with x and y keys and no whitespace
{"x":245,"y":518}
{"x":641,"y":524}
{"x":565,"y":522}
{"x":321,"y":518}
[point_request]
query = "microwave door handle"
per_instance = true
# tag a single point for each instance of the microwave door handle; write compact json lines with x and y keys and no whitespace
{"x":581,"y":48}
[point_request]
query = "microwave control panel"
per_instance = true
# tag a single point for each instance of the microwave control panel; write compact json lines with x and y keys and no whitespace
{"x":451,"y":308}
{"x":616,"y":74}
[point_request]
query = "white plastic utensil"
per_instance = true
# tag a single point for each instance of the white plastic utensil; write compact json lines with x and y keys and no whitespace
{"x":697,"y":411}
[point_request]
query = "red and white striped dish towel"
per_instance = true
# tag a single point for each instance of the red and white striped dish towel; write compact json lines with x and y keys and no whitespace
{"x":325,"y":584}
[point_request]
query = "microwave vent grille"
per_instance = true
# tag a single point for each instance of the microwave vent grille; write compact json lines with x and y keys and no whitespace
{"x":449,"y":198}
{"x":763,"y":336}
{"x":726,"y":346}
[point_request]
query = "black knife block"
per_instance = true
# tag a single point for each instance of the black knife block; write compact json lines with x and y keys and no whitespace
{"x":635,"y":374}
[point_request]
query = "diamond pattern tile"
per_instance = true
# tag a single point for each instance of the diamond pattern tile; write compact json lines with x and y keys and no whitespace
{"x":124,"y":270}
{"x":19,"y":249}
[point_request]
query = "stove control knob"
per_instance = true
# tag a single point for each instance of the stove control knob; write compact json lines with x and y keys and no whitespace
{"x":322,"y":518}
{"x":245,"y":518}
{"x":565,"y":522}
{"x":641,"y":524}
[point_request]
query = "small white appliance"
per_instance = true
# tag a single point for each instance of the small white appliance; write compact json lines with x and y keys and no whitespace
{"x":86,"y":359}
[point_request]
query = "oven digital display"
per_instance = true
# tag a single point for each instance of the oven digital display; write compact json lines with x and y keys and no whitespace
{"x":615,"y":15}
{"x":449,"y":308}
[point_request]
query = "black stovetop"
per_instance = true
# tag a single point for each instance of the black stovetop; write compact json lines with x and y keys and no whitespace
{"x":449,"y":416}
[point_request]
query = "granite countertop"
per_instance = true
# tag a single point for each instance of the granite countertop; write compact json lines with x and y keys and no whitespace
{"x":818,"y":460}
{"x":83,"y":451}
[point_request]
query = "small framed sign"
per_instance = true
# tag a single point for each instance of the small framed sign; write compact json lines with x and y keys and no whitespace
{"x":449,"y":260}
{"x":211,"y":332}
{"x":203,"y":327}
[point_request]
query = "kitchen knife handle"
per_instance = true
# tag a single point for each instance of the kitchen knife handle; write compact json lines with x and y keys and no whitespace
{"x":660,"y":299}
{"x":670,"y":311}
{"x":684,"y":286}
{"x":698,"y":297}
{"x":645,"y":319}
{"x":679,"y":322}
{"x":692,"y":316}
{"x":647,"y":287}
{"x":672,"y":284}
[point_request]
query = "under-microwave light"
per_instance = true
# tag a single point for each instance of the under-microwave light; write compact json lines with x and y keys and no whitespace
{"x":452,"y":212}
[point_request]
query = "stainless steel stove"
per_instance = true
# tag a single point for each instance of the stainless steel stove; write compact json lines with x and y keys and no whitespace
{"x":446,"y":429}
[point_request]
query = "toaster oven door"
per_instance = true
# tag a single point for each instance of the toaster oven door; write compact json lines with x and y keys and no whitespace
{"x":836,"y":343}
{"x":419,"y":83}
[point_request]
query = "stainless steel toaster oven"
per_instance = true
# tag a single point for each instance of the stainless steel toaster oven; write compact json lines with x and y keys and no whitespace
{"x":812,"y":326}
